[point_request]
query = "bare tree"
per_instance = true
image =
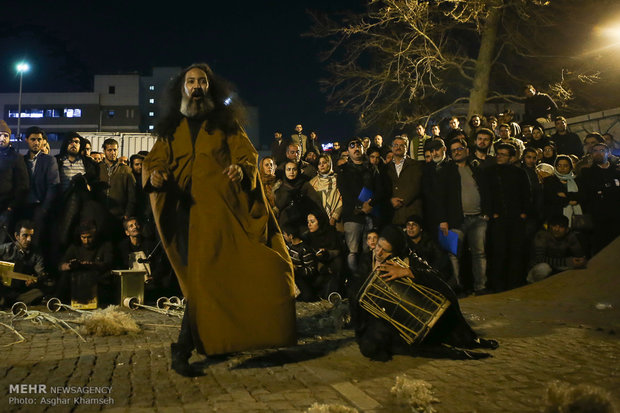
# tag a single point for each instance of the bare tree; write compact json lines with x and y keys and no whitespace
{"x":406,"y":60}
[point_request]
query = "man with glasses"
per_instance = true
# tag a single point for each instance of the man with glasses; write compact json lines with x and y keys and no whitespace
{"x":463,"y":207}
{"x":360,"y":187}
{"x":601,"y":189}
{"x":406,"y":183}
{"x":510,"y":197}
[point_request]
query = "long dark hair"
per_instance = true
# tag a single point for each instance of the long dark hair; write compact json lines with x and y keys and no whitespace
{"x":68,"y":138}
{"x":228,"y":113}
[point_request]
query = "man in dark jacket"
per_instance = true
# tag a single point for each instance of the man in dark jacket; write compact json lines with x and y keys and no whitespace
{"x":118,"y":194}
{"x":463,"y":207}
{"x":79,"y":180}
{"x":27,"y":261}
{"x":510,"y":195}
{"x":85,"y":268}
{"x":44,"y":180}
{"x":14,"y":181}
{"x":406,"y":183}
{"x":279,"y":147}
{"x":566,"y":142}
{"x":430,"y":181}
{"x":555,"y":250}
{"x":600,"y":184}
{"x":539,"y":107}
{"x":360,"y":187}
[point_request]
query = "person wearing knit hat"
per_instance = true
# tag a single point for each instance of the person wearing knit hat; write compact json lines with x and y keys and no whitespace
{"x":4,"y":128}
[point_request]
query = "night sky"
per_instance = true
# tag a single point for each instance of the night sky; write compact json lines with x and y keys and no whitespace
{"x":258,"y":47}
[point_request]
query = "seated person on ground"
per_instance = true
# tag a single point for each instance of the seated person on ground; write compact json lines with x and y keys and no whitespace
{"x":85,"y":268}
{"x":26,"y":262}
{"x":450,"y":337}
{"x":304,"y":262}
{"x":555,"y":250}
{"x":325,"y":242}
{"x":137,"y":251}
{"x":426,"y":247}
{"x":367,"y":258}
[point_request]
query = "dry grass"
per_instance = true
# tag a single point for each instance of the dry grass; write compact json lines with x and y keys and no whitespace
{"x":415,"y":393}
{"x":582,"y":398}
{"x":108,"y":322}
{"x":330,"y":408}
{"x":322,"y":317}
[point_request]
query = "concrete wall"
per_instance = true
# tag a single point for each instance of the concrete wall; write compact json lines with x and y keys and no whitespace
{"x":606,"y":121}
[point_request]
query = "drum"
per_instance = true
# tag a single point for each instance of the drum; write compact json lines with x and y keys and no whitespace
{"x":413,"y":309}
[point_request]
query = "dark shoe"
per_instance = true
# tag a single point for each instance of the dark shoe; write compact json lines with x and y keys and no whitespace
{"x":180,"y":362}
{"x":487,"y":343}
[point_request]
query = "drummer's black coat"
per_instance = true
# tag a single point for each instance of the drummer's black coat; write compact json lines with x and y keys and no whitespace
{"x":379,"y":340}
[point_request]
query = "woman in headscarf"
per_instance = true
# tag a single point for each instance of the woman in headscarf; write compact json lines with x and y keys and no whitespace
{"x":267,"y":171}
{"x":561,"y":191}
{"x":295,"y":197}
{"x":450,"y":337}
{"x":325,"y":242}
{"x":325,"y":184}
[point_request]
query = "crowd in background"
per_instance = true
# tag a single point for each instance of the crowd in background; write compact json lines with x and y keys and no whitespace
{"x":491,"y":207}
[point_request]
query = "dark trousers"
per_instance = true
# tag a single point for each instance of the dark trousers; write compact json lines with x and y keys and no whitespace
{"x":506,"y":241}
{"x":185,"y":342}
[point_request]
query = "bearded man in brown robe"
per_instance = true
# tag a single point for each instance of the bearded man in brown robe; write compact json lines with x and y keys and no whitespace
{"x":216,"y":226}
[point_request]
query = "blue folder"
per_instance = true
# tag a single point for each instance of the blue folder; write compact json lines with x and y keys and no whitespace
{"x":449,"y":242}
{"x":365,"y":195}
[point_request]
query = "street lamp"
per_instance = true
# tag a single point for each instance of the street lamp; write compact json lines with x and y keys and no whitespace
{"x":21,"y":68}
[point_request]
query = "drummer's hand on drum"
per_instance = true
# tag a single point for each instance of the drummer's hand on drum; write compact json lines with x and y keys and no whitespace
{"x":391,"y":271}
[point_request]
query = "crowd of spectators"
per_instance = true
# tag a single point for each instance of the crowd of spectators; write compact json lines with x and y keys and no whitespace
{"x":491,"y":207}
{"x":69,"y":220}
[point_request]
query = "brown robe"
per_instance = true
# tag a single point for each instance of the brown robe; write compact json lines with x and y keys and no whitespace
{"x":223,"y":242}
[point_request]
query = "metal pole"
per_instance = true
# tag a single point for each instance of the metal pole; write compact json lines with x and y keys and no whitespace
{"x":19,"y":108}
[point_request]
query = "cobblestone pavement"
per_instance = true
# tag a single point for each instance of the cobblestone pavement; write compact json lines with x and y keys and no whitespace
{"x":548,"y":331}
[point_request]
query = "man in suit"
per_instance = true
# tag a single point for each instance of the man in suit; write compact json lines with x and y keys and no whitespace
{"x":279,"y":147}
{"x":44,"y":180}
{"x":406,"y":178}
{"x":299,"y":138}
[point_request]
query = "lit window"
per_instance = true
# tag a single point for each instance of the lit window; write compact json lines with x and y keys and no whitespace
{"x":72,"y":113}
{"x":151,"y":100}
{"x":52,"y":113}
{"x":151,"y":114}
{"x":27,"y":113}
{"x":151,"y":127}
{"x":151,"y":87}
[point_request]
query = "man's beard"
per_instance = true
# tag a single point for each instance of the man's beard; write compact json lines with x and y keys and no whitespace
{"x":196,"y":108}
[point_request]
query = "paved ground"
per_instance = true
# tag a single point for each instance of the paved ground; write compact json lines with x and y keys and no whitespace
{"x":548,"y":331}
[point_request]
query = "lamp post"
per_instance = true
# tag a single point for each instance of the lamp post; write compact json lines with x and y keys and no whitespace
{"x":21,"y":68}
